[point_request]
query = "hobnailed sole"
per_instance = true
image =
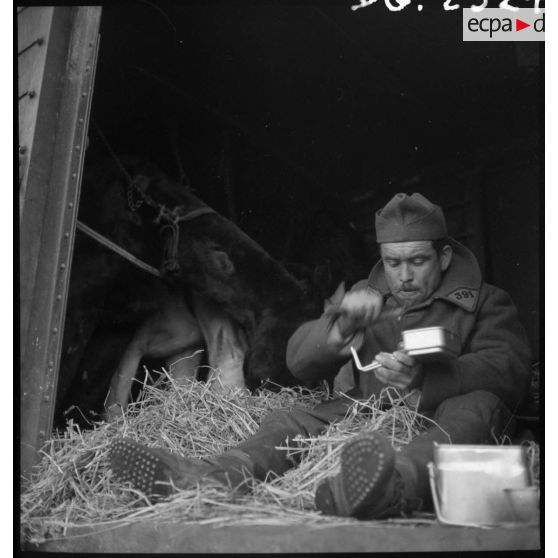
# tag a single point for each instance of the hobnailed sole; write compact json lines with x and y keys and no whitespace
{"x":141,"y":467}
{"x":367,"y":463}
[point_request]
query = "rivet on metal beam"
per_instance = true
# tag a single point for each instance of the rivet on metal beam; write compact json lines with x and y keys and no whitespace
{"x":46,"y":398}
{"x":22,"y":149}
{"x":70,"y":205}
{"x":77,"y":147}
{"x":59,"y":297}
{"x":74,"y":175}
{"x":62,"y":266}
{"x":87,"y":68}
{"x":81,"y":120}
{"x":54,"y":330}
{"x":42,"y":433}
{"x":51,"y":364}
{"x":84,"y":94}
{"x":66,"y":235}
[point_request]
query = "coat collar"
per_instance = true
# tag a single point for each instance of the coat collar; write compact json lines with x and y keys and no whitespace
{"x":460,"y":283}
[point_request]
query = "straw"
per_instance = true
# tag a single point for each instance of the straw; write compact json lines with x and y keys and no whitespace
{"x":72,"y":485}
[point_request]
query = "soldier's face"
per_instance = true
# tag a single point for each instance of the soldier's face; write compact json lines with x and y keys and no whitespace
{"x":413,"y":270}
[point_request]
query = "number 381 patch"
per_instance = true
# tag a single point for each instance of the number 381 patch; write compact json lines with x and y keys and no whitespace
{"x":465,"y":297}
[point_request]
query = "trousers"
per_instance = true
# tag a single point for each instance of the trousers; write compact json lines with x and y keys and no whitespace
{"x":477,"y":417}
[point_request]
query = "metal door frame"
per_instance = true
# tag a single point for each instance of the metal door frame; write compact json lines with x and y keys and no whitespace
{"x":49,"y":214}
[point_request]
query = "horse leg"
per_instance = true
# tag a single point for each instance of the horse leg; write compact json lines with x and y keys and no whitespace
{"x":225,"y":342}
{"x":171,"y":331}
{"x":120,"y":386}
{"x":185,"y":333}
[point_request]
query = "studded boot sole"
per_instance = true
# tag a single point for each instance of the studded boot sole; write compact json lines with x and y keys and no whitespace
{"x":153,"y":471}
{"x":364,"y":484}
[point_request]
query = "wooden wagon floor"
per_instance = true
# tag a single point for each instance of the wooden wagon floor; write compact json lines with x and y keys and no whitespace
{"x":168,"y":537}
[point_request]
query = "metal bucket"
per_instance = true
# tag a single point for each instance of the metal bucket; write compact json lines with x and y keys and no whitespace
{"x":471,"y":485}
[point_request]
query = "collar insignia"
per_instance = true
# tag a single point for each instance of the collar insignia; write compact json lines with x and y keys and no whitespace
{"x":464,"y":296}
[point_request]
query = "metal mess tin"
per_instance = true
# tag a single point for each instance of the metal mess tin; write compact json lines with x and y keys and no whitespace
{"x":426,"y":344}
{"x":471,"y":484}
{"x":431,"y":343}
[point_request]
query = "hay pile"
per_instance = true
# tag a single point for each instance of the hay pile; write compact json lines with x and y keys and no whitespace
{"x":72,"y":485}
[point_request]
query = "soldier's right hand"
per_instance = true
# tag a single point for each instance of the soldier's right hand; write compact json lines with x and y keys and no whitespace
{"x":356,"y":311}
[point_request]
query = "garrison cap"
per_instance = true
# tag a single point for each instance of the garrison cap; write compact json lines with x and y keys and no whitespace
{"x":406,"y":218}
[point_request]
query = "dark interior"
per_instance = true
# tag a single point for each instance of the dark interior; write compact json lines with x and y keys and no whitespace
{"x":288,"y":116}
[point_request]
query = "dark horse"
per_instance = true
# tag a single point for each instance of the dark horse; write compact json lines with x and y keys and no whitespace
{"x":134,"y":205}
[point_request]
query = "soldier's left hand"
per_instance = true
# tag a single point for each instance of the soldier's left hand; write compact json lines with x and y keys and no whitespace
{"x":399,"y":370}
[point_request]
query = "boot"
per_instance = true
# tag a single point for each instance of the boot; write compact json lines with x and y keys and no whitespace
{"x":369,"y":486}
{"x":157,"y":473}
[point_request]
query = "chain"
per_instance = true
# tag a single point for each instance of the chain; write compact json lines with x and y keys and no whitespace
{"x":133,"y":205}
{"x":169,"y":225}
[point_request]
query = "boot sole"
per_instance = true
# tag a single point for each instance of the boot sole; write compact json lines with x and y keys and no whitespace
{"x":131,"y":462}
{"x":367,"y":463}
